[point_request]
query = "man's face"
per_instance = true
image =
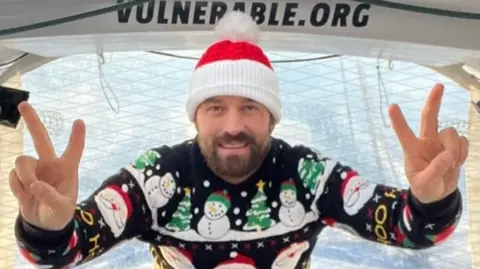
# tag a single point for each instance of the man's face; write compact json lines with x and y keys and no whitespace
{"x":233,"y":134}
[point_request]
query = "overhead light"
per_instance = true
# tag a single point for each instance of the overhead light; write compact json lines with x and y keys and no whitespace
{"x":10,"y":98}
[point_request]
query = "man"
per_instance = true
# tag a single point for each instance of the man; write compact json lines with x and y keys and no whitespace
{"x":234,"y":197}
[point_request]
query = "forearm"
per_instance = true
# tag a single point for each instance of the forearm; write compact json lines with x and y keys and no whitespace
{"x":117,"y":211}
{"x":385,"y":214}
{"x":394,"y":217}
{"x":42,"y":247}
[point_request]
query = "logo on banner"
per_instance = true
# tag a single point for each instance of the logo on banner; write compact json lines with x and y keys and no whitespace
{"x":288,"y":14}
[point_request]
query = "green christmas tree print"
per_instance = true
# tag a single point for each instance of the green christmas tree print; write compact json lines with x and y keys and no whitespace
{"x":309,"y":171}
{"x":181,"y":218}
{"x":147,"y":159}
{"x":259,"y":212}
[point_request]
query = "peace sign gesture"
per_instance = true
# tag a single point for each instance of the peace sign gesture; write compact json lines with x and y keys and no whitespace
{"x":432,"y":160}
{"x":47,"y":188}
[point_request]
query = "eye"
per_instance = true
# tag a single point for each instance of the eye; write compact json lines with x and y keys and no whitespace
{"x":214,"y":109}
{"x":249,"y":108}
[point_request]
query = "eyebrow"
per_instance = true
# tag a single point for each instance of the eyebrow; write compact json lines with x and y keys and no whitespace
{"x":212,"y":100}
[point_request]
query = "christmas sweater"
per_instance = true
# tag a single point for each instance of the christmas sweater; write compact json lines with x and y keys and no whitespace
{"x":191,"y":218}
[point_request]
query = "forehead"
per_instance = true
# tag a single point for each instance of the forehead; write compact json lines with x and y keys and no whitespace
{"x":229,"y":100}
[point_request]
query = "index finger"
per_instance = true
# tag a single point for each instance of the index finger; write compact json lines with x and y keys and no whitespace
{"x":429,"y":120}
{"x":41,"y":139}
{"x":405,"y":135}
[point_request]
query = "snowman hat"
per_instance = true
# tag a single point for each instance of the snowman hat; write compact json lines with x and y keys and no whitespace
{"x":235,"y":66}
{"x":220,"y":196}
{"x":288,"y":185}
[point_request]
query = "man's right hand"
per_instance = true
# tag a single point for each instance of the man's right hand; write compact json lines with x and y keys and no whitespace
{"x":47,"y":187}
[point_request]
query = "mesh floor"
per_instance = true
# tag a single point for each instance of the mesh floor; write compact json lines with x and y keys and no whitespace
{"x":337,"y":106}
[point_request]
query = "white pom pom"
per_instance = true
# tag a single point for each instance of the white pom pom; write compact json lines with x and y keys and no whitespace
{"x":237,"y":26}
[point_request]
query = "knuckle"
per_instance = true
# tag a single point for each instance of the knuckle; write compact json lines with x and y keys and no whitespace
{"x":448,"y":132}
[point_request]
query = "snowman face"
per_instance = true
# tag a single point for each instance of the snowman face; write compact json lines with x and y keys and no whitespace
{"x":215,"y":210}
{"x":168,"y":185}
{"x":355,"y":190}
{"x":174,"y":258}
{"x":288,"y":198}
{"x":159,"y":190}
{"x":113,"y":208}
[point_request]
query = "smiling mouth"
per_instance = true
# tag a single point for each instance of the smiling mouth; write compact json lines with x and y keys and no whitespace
{"x":233,"y":146}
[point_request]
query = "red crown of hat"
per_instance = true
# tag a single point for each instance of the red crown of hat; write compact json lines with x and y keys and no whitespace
{"x":235,"y":66}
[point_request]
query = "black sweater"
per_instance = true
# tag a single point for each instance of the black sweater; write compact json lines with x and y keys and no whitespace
{"x":191,"y":218}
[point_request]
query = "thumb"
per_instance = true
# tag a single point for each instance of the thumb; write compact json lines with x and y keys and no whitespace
{"x":48,"y":195}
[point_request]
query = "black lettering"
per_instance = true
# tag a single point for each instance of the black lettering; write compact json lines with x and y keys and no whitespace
{"x":162,"y":7}
{"x":123,"y":14}
{"x":358,"y":19}
{"x":200,"y":12}
{"x":289,"y":14}
{"x":145,"y":18}
{"x":322,"y":8}
{"x":340,"y":15}
{"x":180,"y":12}
{"x":273,"y":12}
{"x":218,"y":10}
{"x":239,"y":6}
{"x":258,"y":12}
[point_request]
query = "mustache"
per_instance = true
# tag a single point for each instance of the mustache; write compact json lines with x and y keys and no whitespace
{"x":238,"y":138}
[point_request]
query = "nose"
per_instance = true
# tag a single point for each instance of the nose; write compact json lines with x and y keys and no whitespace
{"x":233,"y":123}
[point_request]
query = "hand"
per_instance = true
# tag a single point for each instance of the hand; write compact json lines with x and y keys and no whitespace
{"x":432,"y":160}
{"x":47,"y":188}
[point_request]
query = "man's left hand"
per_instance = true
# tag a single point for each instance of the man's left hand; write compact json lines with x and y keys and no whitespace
{"x":434,"y":158}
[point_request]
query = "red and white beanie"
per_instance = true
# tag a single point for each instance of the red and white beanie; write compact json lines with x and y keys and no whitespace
{"x":235,"y":66}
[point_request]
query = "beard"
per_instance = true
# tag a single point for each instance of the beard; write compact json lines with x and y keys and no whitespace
{"x":234,"y":166}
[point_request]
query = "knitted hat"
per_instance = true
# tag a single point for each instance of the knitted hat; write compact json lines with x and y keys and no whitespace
{"x":235,"y":66}
{"x":220,"y":196}
{"x":288,"y":185}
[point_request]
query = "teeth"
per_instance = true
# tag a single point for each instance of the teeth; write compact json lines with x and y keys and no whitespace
{"x":235,"y":146}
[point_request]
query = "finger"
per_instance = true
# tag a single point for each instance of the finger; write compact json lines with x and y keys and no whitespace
{"x":451,"y":142}
{"x":16,"y":186}
{"x":25,"y":168}
{"x":463,"y":152}
{"x":48,"y":195}
{"x":405,"y":135}
{"x":429,"y":119}
{"x":437,"y":168}
{"x":41,"y":139}
{"x":76,"y":145}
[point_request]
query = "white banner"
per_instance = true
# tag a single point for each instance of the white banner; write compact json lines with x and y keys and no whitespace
{"x":338,"y":18}
{"x":330,"y":26}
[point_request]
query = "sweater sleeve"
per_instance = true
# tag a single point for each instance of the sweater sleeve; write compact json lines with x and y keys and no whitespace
{"x":117,"y":211}
{"x":376,"y":212}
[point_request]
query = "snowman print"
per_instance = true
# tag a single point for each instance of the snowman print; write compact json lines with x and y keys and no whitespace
{"x":291,"y":212}
{"x":215,"y":223}
{"x":356,"y":192}
{"x":158,"y":191}
{"x":289,"y":257}
{"x":115,"y":206}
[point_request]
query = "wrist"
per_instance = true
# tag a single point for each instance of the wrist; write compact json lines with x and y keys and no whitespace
{"x":438,"y":210}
